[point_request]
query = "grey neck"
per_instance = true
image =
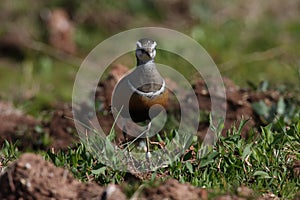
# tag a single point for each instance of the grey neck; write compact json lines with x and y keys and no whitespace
{"x":140,"y":62}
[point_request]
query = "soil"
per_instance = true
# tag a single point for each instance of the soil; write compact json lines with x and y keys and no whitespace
{"x":28,"y":132}
{"x":62,"y":128}
{"x":237,"y":105}
{"x":17,"y":126}
{"x":238,"y":102}
{"x":31,"y":177}
{"x":60,"y":30}
{"x":172,"y":189}
{"x":296,"y":168}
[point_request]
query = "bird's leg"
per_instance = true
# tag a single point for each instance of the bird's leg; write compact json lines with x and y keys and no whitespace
{"x":124,"y":131}
{"x":148,"y":154}
{"x":126,"y":149}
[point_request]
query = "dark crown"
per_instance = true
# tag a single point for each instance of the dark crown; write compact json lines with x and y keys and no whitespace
{"x":145,"y":43}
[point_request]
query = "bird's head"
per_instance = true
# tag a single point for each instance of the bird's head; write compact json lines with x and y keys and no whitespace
{"x":145,"y":50}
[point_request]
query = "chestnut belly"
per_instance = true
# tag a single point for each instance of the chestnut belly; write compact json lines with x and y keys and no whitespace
{"x":139,"y":106}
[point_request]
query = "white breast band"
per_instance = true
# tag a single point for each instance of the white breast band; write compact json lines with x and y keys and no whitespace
{"x":148,"y":94}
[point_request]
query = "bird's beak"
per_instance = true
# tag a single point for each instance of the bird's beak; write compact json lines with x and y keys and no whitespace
{"x":149,"y":52}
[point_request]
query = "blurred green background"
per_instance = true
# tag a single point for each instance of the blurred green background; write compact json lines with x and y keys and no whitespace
{"x":250,"y":41}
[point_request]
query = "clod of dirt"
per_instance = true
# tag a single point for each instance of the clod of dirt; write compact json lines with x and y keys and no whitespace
{"x":268,"y":97}
{"x":62,"y":128}
{"x":105,"y":88}
{"x":244,"y":191}
{"x":61,"y":30}
{"x":103,"y":95}
{"x":16,"y":126}
{"x":269,"y":196}
{"x":31,"y":177}
{"x":13,"y":42}
{"x":296,"y":168}
{"x":297,"y":196}
{"x":229,"y":197}
{"x":237,"y":106}
{"x":172,"y":189}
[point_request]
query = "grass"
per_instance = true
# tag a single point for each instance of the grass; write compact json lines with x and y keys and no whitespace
{"x":263,"y":162}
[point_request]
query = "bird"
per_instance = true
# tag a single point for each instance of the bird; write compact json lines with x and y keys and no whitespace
{"x":136,"y":95}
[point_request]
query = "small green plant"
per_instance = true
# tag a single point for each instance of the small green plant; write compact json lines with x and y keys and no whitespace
{"x":285,"y":108}
{"x":262,"y":162}
{"x":8,"y":153}
{"x":84,"y":166}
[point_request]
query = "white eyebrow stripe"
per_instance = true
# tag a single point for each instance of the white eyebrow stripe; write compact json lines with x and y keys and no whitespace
{"x":148,"y":94}
{"x":153,"y":45}
{"x":139,"y":44}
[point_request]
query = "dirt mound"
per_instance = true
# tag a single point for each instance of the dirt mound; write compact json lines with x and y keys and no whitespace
{"x":172,"y":189}
{"x":237,"y":106}
{"x":60,"y":30}
{"x":62,"y":128}
{"x":29,"y":132}
{"x":31,"y":177}
{"x":238,"y":102}
{"x":242,"y":193}
{"x":296,"y":168}
{"x":16,"y":126}
{"x":106,"y":87}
